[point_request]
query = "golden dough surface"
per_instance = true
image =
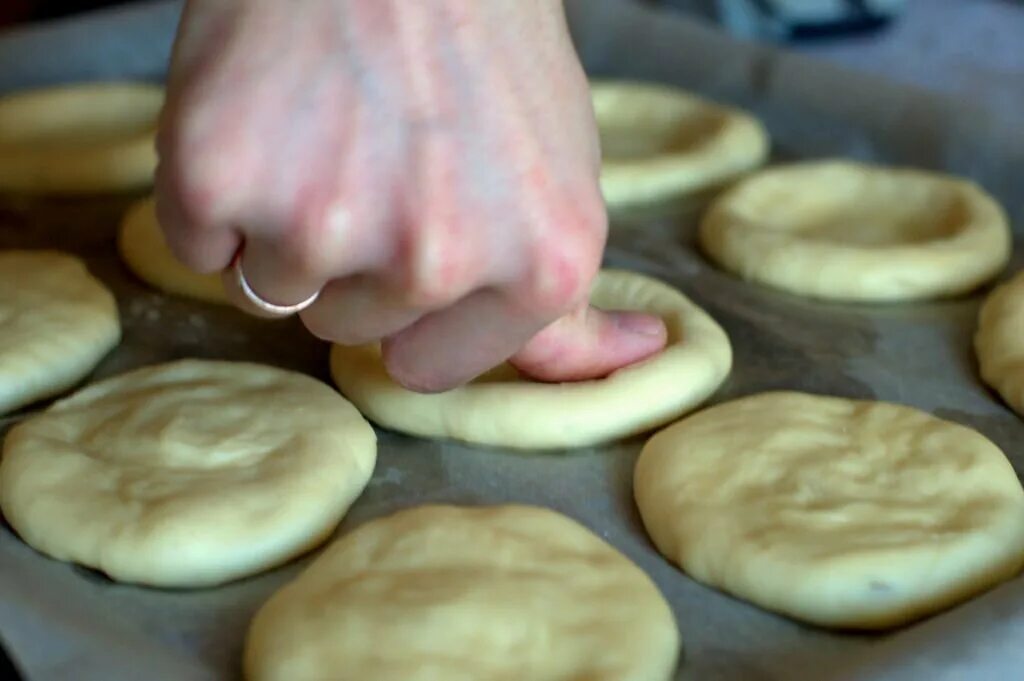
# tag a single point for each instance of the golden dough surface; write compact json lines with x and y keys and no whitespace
{"x":999,"y":342}
{"x":445,"y":593}
{"x":843,"y":513}
{"x":660,"y":142}
{"x":850,"y":231}
{"x":143,"y":248}
{"x":57,"y":322}
{"x":186,"y":474}
{"x":79,"y":139}
{"x":502,"y":409}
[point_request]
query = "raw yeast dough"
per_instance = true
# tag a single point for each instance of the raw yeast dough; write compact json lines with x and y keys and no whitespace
{"x":186,"y":474}
{"x":444,"y":593}
{"x":839,"y":512}
{"x":502,"y":409}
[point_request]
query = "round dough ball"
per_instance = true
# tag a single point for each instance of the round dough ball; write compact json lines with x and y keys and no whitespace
{"x":1000,"y":341}
{"x":502,"y":409}
{"x":659,"y":142}
{"x":848,"y":231}
{"x":187,"y":474}
{"x":79,"y":139}
{"x":56,"y":323}
{"x":143,"y":248}
{"x":466,"y":594}
{"x":839,"y":512}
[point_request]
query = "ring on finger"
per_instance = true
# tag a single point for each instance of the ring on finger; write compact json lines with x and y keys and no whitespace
{"x":259,"y":301}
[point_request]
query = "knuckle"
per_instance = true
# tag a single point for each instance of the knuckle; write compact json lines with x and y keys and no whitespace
{"x":565,"y":261}
{"x":200,"y":167}
{"x":429,"y":290}
{"x":316,"y":241}
{"x":198,"y":208}
{"x":195,"y":199}
{"x":440,"y":270}
{"x":208,"y":181}
{"x":559,"y":283}
{"x":304,"y":256}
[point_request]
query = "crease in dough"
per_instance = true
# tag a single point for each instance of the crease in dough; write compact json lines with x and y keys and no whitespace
{"x":843,"y":513}
{"x":186,"y":474}
{"x":447,"y":593}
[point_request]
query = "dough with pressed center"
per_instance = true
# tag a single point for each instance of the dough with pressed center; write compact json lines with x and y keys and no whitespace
{"x":79,"y":139}
{"x":186,"y":474}
{"x":839,"y":512}
{"x":443,"y":593}
{"x":502,"y":409}
{"x":659,"y":142}
{"x":144,"y":250}
{"x":1000,"y":341}
{"x":56,"y":323}
{"x":851,"y":231}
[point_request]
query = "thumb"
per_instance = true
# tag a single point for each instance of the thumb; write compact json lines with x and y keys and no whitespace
{"x":590,"y":343}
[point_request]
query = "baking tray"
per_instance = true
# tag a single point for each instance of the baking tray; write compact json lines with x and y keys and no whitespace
{"x":66,"y":622}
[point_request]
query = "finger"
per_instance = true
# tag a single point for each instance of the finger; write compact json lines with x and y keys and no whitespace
{"x":273,"y":275}
{"x":451,"y":346}
{"x":357,"y":310}
{"x":590,"y":343}
{"x":204,"y":248}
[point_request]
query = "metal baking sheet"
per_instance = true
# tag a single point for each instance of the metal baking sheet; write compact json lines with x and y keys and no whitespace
{"x":66,"y":622}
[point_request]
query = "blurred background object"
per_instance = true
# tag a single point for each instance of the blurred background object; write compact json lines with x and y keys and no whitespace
{"x":972,"y":50}
{"x":794,"y":20}
{"x":19,"y":11}
{"x":969,"y":49}
{"x":117,"y":41}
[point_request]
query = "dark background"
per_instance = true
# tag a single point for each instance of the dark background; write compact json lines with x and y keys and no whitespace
{"x":17,"y":11}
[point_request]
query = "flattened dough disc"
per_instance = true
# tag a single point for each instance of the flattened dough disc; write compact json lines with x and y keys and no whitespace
{"x":56,"y":323}
{"x":442,"y":593}
{"x":186,"y":474}
{"x":839,"y":512}
{"x":1000,"y":341}
{"x":850,"y":231}
{"x":79,"y":139}
{"x":659,"y":142}
{"x":502,"y":409}
{"x":144,"y":250}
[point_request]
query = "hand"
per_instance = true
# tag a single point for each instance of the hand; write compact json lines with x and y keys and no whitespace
{"x":431,"y":166}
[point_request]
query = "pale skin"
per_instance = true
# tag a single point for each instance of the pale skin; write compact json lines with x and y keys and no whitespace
{"x":432,"y":167}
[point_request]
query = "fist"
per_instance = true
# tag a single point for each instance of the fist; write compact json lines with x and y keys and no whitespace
{"x":430,"y":167}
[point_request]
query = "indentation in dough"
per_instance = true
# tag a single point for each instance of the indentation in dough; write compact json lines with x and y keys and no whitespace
{"x":660,"y":143}
{"x":628,"y":139}
{"x":850,"y":231}
{"x":503,"y":409}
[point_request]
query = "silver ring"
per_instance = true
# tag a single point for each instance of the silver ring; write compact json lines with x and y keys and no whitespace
{"x":265,"y":305}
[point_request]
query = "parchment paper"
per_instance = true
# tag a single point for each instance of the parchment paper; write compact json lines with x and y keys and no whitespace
{"x":65,"y":622}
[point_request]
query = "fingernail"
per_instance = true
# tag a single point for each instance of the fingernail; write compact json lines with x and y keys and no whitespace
{"x":639,"y":323}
